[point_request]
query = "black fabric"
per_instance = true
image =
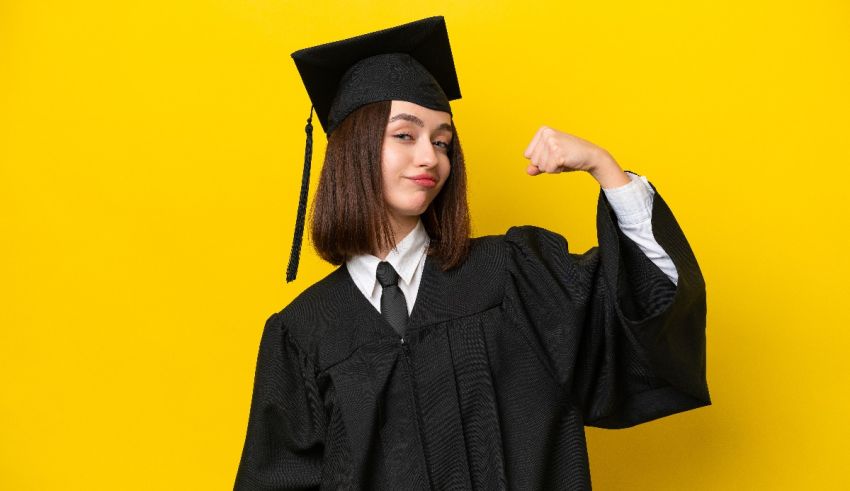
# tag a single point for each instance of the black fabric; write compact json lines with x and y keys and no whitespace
{"x":505,"y":359}
{"x":411,"y":62}
{"x":393,"y":304}
{"x":393,"y":76}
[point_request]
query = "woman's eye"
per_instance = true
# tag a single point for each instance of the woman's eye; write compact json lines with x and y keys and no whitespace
{"x":441,"y":144}
{"x":403,"y":136}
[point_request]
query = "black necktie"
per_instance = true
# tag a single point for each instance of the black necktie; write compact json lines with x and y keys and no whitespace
{"x":393,"y":306}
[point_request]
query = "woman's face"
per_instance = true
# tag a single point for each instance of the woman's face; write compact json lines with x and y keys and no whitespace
{"x":415,"y":158}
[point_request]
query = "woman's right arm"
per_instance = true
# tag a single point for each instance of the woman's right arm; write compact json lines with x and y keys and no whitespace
{"x":286,"y":424}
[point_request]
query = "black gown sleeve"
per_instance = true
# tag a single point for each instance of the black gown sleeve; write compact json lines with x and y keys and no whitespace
{"x":286,"y":424}
{"x":625,"y":343}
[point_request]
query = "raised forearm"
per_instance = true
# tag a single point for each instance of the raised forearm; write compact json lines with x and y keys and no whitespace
{"x":606,"y":170}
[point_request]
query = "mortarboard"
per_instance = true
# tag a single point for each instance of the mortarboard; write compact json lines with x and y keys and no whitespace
{"x":411,"y":62}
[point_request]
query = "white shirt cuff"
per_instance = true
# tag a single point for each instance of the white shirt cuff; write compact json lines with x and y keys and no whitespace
{"x":631,"y":202}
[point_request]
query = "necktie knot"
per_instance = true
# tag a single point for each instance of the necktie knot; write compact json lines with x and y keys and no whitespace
{"x":387,"y":276}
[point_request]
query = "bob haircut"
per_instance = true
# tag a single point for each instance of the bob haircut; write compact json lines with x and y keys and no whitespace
{"x":349,"y":215}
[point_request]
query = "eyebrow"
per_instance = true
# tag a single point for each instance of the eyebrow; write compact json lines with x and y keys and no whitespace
{"x":418,"y":122}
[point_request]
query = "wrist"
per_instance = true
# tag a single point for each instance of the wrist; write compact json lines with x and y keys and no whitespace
{"x":607,"y":171}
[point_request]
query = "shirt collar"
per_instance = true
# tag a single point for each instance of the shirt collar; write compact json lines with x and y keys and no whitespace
{"x":404,"y":258}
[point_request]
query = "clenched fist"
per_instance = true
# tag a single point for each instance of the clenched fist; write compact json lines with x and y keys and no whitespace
{"x":552,"y":151}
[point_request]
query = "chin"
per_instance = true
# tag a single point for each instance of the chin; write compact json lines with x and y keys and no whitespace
{"x":416,"y":208}
{"x":422,"y":209}
{"x":415,"y":212}
{"x":411,"y":207}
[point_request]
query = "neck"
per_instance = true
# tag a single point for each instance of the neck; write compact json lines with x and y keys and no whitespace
{"x":401,"y":226}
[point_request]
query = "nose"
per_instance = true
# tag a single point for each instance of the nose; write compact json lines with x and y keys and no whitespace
{"x":426,"y":154}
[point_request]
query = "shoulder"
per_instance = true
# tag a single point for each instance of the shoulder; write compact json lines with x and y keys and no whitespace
{"x":305,"y":318}
{"x":527,"y":234}
{"x":485,"y":248}
{"x":530,"y":246}
{"x":516,"y":237}
{"x":491,"y":255}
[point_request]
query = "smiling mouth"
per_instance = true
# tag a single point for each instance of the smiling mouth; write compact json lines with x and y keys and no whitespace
{"x":424,"y":181}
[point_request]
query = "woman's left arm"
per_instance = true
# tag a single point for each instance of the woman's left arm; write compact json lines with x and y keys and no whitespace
{"x":627,"y":345}
{"x":630,"y":196}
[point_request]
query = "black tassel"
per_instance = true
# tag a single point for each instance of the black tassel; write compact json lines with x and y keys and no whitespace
{"x":295,"y":253}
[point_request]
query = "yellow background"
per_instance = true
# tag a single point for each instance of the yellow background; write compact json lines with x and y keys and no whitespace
{"x":150,"y":158}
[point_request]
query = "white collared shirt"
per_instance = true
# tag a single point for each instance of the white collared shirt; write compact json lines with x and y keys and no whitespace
{"x":632,"y":203}
{"x":407,"y":258}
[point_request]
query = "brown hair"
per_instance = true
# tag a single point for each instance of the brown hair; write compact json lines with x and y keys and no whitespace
{"x":349,"y":216}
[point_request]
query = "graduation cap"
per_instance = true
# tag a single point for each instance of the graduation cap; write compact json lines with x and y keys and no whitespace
{"x":411,"y":62}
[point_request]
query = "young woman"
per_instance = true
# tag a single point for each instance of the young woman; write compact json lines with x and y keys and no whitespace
{"x":432,"y":360}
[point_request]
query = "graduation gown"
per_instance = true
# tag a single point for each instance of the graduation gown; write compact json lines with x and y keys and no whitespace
{"x":505,"y":359}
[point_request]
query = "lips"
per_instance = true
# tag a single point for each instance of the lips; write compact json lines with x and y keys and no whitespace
{"x":425,"y":180}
